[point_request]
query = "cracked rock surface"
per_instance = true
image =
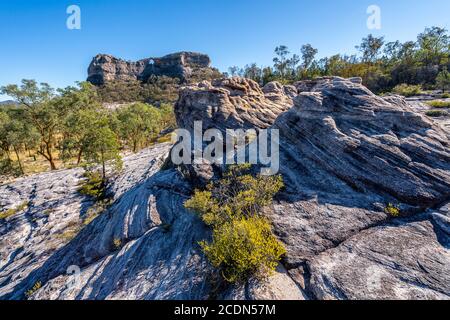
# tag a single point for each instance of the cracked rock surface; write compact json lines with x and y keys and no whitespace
{"x":345,"y":154}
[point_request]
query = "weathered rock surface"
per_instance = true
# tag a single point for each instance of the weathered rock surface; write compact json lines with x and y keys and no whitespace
{"x":234,"y":103}
{"x":145,"y":246}
{"x":344,"y":154}
{"x":402,"y":260}
{"x":182,"y":65}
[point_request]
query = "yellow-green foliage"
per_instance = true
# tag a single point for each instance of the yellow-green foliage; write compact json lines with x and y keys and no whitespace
{"x":243,"y":244}
{"x":11,"y":212}
{"x":408,"y":90}
{"x":392,"y":210}
{"x":117,"y":243}
{"x":237,"y":195}
{"x":33,"y":290}
{"x":439,"y":104}
{"x":244,"y":247}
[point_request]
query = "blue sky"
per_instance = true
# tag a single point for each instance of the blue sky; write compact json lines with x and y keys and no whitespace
{"x":35,"y":43}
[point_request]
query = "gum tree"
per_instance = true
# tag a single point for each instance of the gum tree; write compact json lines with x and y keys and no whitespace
{"x":41,"y":110}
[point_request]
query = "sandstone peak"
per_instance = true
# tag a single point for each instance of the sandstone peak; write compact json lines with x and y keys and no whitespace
{"x":182,"y":65}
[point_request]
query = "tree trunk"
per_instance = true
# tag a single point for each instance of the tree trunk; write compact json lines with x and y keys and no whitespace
{"x":50,"y":157}
{"x":80,"y":153}
{"x":18,"y":160}
{"x":103,"y":167}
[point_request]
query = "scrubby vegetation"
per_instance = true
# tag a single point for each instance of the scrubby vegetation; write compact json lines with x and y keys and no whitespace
{"x":392,"y":210}
{"x":156,"y":90}
{"x":407,"y":90}
{"x":243,"y":244}
{"x":436,"y":113}
{"x":11,"y":212}
{"x":439,"y":104}
{"x":71,"y":127}
{"x":382,"y":65}
{"x":94,"y":185}
{"x":33,"y":290}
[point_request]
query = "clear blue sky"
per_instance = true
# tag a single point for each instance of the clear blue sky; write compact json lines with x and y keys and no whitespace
{"x":35,"y":43}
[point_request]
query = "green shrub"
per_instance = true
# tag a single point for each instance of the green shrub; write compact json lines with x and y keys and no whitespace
{"x":436,"y":113}
{"x":439,"y":104}
{"x":446,"y":96}
{"x":94,"y":185}
{"x":9,"y":168}
{"x":243,"y":244}
{"x":408,"y":90}
{"x":243,"y":248}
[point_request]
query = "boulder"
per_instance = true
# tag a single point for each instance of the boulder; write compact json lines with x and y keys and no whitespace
{"x":234,"y":103}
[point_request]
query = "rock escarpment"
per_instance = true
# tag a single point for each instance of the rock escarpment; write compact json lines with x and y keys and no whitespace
{"x":182,"y":65}
{"x":344,"y":153}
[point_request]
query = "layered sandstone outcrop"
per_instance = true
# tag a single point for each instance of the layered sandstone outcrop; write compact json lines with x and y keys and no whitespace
{"x":345,"y":154}
{"x":181,"y":65}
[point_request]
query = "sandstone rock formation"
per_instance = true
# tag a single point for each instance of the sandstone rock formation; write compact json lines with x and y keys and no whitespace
{"x":182,"y":65}
{"x":344,"y":153}
{"x":234,"y":103}
{"x":143,"y":247}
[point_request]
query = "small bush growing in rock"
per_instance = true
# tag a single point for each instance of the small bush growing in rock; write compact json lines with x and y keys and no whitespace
{"x":392,"y":210}
{"x":243,"y":248}
{"x":117,"y":243}
{"x":408,"y":90}
{"x":33,"y":290}
{"x":243,"y":244}
{"x":94,"y":185}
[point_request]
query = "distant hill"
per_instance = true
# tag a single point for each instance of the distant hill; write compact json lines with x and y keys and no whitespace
{"x":7,"y":102}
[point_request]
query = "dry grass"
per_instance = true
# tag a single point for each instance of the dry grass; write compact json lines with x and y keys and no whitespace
{"x":439,"y":104}
{"x":11,"y":212}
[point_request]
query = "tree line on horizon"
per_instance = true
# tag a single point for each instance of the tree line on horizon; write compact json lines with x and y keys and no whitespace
{"x":382,"y":65}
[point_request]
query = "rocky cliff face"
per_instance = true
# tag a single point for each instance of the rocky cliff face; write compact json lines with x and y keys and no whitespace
{"x":345,"y":153}
{"x":182,"y":65}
